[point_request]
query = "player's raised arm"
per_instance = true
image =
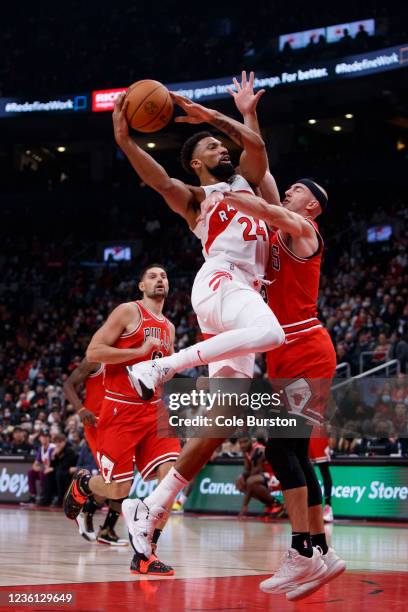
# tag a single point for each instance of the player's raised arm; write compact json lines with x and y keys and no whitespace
{"x":246,"y":102}
{"x":253,"y":162}
{"x":177,"y":195}
{"x":277,"y":216}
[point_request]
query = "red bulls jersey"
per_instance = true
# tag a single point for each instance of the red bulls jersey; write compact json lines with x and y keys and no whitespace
{"x":293,"y":285}
{"x":116,"y":380}
{"x":94,"y":391}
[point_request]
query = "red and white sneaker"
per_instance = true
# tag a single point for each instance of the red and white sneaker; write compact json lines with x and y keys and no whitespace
{"x":295,"y":570}
{"x":335,"y":566}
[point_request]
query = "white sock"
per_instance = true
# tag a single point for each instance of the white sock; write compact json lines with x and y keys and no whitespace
{"x":265,"y":336}
{"x":167,"y":490}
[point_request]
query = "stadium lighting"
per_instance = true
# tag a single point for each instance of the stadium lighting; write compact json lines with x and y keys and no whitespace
{"x":337,"y":128}
{"x":401,"y":145}
{"x":151,"y":145}
{"x":349,"y":116}
{"x":312,"y":121}
{"x":61,"y":149}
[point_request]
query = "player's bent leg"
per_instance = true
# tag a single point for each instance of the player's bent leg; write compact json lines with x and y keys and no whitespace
{"x":156,"y":506}
{"x":252,"y":327}
{"x":143,"y":563}
{"x":303,"y":562}
{"x":334,"y":564}
{"x":84,"y":484}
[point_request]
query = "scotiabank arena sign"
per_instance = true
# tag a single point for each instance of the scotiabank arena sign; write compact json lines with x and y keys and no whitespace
{"x":104,"y":99}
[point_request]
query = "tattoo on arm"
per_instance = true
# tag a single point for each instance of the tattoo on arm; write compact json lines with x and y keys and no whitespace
{"x":229,"y":129}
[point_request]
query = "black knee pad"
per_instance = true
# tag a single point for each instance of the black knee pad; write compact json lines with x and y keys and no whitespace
{"x":283,"y":460}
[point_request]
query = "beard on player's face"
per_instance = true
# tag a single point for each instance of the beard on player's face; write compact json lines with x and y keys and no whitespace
{"x":159,"y":292}
{"x":224,"y":170}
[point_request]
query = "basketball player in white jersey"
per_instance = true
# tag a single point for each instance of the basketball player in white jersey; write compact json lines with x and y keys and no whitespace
{"x":225,"y":294}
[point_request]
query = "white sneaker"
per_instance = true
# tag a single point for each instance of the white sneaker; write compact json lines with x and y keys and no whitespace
{"x":328,"y":514}
{"x":335,"y":566}
{"x":141,"y":521}
{"x":85,"y":527}
{"x":146,"y":376}
{"x":295,"y":570}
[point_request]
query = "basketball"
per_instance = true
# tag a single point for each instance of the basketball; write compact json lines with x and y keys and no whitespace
{"x":150,"y":106}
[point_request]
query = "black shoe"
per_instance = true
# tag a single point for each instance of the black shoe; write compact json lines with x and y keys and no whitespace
{"x":141,"y":565}
{"x":74,"y":499}
{"x":108,"y":536}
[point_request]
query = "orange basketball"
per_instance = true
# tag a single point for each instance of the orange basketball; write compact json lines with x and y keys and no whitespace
{"x":150,"y":106}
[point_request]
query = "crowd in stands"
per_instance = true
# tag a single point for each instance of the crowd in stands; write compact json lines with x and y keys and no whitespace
{"x":98,"y":45}
{"x":54,"y":295}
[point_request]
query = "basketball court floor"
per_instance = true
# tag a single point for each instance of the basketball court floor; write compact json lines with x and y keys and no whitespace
{"x":219,"y":563}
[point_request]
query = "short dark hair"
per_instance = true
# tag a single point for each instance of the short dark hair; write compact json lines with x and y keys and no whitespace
{"x":149,"y":267}
{"x":187,"y":150}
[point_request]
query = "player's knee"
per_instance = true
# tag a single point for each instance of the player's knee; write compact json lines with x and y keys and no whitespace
{"x":269,"y":334}
{"x":285,"y":464}
{"x":314,"y":492}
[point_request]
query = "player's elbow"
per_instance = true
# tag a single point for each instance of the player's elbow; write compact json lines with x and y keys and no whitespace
{"x":92,"y":354}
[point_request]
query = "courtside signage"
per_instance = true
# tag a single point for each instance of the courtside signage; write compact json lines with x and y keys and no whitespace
{"x":14,"y":481}
{"x":358,"y":491}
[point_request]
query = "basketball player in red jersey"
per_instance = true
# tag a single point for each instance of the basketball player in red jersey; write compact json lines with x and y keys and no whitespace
{"x":308,"y":359}
{"x":91,"y":375}
{"x":127,"y":427}
{"x":294,"y":270}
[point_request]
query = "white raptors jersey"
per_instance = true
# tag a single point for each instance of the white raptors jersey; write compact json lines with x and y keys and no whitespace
{"x":228,"y":236}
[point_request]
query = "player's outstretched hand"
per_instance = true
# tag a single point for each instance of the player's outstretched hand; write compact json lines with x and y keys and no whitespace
{"x":120,"y":124}
{"x":245,"y":99}
{"x":195,"y":113}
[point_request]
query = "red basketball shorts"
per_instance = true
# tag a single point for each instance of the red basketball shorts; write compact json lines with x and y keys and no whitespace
{"x":303,"y":369}
{"x":91,"y":432}
{"x":127,"y":438}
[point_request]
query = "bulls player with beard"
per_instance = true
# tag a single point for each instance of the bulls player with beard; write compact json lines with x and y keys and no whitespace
{"x":127,"y":434}
{"x":231,"y":313}
{"x":304,"y":367}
